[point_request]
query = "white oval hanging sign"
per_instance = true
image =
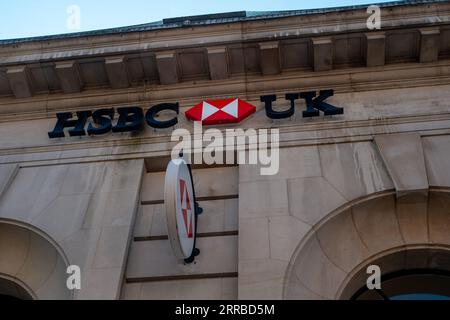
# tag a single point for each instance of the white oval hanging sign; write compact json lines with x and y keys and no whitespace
{"x":179,"y":204}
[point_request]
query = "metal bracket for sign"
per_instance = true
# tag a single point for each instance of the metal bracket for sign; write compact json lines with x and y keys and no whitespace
{"x":198,"y":211}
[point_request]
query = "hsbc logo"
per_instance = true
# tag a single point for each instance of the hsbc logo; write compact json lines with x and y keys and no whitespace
{"x":182,"y":210}
{"x":186,"y":209}
{"x":225,"y":111}
{"x":209,"y":112}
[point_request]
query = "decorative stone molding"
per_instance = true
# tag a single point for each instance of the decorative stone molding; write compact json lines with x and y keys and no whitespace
{"x":404,"y":159}
{"x":19,"y":81}
{"x":218,"y":62}
{"x":116,"y":68}
{"x":429,"y":44}
{"x":166,"y":62}
{"x":69,"y":76}
{"x":376,"y":49}
{"x":119,"y":58}
{"x":7,"y":174}
{"x":270,"y":57}
{"x":323,"y":53}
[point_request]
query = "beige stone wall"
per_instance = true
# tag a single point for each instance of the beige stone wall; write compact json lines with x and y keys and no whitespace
{"x":302,"y":234}
{"x":254,"y":225}
{"x":423,"y":109}
{"x":153,"y":271}
{"x":88,"y":210}
{"x":275,"y":214}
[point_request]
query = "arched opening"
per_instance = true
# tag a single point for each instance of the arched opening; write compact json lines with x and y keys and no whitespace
{"x":407,"y":238}
{"x":31,"y":265}
{"x":13,"y":290}
{"x":422,"y":284}
{"x":426,"y":277}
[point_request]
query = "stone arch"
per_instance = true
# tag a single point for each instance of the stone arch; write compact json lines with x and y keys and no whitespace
{"x":31,"y":262}
{"x":329,"y":260}
{"x":434,"y":258}
{"x":14,"y":288}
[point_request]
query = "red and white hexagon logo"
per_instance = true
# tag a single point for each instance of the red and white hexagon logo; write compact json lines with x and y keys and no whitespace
{"x":224,"y":111}
{"x":186,"y":210}
{"x":179,"y":205}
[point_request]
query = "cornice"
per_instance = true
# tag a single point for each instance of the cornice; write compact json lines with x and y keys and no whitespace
{"x":329,"y":23}
{"x":249,"y":87}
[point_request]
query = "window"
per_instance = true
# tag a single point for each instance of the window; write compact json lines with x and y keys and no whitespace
{"x":419,"y":284}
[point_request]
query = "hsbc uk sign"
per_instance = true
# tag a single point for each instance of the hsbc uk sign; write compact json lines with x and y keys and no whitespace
{"x":209,"y":112}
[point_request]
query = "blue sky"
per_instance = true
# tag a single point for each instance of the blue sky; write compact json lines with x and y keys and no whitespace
{"x":27,"y":18}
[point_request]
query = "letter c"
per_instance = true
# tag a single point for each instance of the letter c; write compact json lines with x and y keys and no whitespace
{"x":153,"y":112}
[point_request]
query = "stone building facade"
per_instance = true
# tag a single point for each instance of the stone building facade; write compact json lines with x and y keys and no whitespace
{"x":367,"y":187}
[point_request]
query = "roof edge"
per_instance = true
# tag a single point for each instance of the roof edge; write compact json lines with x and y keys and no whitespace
{"x":211,"y":19}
